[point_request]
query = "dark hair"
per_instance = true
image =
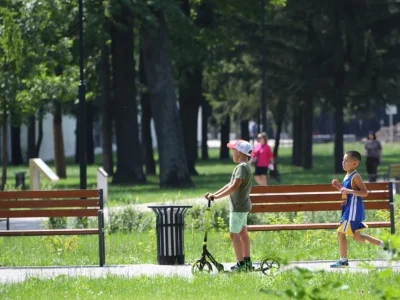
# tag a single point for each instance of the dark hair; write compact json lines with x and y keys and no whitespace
{"x":373,"y":135}
{"x":354,"y":155}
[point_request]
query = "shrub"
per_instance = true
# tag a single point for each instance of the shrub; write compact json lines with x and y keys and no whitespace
{"x":129,"y":219}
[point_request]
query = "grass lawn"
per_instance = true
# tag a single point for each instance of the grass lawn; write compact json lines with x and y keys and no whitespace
{"x":140,"y":247}
{"x":295,"y":284}
{"x":215,"y":173}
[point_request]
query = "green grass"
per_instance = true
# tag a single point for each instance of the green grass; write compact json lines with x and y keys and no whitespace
{"x":215,"y":173}
{"x":295,"y":284}
{"x":140,"y":247}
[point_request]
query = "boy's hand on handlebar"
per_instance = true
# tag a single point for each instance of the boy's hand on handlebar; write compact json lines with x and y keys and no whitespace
{"x":209,"y":196}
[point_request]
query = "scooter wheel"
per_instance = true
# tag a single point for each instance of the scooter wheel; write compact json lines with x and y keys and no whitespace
{"x":269,"y":265}
{"x":201,"y":266}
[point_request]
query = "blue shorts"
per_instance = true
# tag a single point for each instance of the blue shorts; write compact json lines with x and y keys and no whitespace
{"x":350,"y":227}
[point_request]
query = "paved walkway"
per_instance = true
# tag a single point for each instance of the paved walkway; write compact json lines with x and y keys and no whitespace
{"x":14,"y":275}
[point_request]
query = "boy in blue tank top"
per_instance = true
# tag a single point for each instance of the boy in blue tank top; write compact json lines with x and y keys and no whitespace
{"x":353,"y":213}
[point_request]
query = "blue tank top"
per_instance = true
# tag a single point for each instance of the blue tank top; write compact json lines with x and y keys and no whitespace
{"x":353,"y":210}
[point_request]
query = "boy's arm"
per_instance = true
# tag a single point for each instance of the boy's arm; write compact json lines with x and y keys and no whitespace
{"x":359,"y":189}
{"x":229,"y":190}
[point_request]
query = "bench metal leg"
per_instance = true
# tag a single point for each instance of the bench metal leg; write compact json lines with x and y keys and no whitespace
{"x":391,"y":203}
{"x":102,"y":254}
{"x":8,"y":224}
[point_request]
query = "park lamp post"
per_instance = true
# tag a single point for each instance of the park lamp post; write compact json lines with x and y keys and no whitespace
{"x":82,"y":105}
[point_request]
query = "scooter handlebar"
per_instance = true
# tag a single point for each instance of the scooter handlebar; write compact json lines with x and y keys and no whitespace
{"x":209,"y":201}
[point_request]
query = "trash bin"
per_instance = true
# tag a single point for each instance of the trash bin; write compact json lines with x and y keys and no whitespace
{"x":20,"y":180}
{"x":170,"y":234}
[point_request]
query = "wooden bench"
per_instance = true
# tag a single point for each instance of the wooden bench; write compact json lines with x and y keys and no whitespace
{"x":62,"y":203}
{"x":314,"y":198}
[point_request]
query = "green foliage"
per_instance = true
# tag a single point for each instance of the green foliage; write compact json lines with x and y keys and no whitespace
{"x":129,"y":220}
{"x":61,"y":244}
{"x":303,"y":285}
{"x":57,"y":223}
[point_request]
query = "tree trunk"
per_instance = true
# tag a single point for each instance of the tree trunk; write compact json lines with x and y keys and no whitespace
{"x":89,"y":133}
{"x":77,"y":140}
{"x":244,"y":130}
{"x":306,"y":133}
{"x":4,"y":149}
{"x":225,"y":130}
{"x":279,"y":124}
{"x":40,"y":132}
{"x":16,"y":151}
{"x":147,"y":142}
{"x":205,"y":114}
{"x":297,"y":142}
{"x":339,"y":131}
{"x":174,"y":171}
{"x":31,"y":139}
{"x":59,"y":154}
{"x":106,"y":111}
{"x":129,"y":158}
{"x":281,"y":110}
{"x":190,"y":99}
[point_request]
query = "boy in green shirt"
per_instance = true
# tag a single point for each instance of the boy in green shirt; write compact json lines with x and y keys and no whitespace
{"x":238,"y":190}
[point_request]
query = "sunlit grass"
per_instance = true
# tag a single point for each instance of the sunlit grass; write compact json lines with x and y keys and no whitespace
{"x":214,"y":173}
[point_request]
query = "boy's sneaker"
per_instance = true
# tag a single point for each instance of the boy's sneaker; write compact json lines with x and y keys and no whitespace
{"x":387,"y":249}
{"x":239,"y":268}
{"x":340,"y":264}
{"x":249,"y":265}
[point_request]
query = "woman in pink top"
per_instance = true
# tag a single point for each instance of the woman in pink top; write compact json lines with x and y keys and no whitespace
{"x":263,"y":157}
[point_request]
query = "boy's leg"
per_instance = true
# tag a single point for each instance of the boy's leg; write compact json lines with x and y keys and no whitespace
{"x":235,"y":227}
{"x":342,"y":244}
{"x":237,"y":246}
{"x":343,"y":262}
{"x":245,"y":241}
{"x":361,"y":238}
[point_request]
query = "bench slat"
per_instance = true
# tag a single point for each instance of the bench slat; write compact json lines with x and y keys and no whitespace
{"x":49,"y":194}
{"x":48,"y":203}
{"x":273,"y":198}
{"x":312,"y":207}
{"x":48,"y":213}
{"x":45,"y":232}
{"x":259,"y":189}
{"x":277,"y":227}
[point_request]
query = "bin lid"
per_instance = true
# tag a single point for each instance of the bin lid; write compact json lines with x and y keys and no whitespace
{"x":170,"y":206}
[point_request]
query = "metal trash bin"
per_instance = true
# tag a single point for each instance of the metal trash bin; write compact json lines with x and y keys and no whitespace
{"x":20,"y":180}
{"x":170,"y":233}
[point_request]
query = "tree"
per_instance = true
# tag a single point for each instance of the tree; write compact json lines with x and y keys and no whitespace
{"x":129,"y":158}
{"x":157,"y":63}
{"x":11,"y":53}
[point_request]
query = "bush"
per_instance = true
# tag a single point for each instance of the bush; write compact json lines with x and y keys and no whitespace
{"x":129,"y":219}
{"x":57,"y":223}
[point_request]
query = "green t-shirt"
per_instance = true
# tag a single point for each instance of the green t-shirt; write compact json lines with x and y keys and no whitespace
{"x":240,"y":199}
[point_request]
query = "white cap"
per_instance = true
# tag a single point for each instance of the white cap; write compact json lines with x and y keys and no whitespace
{"x":241,"y":146}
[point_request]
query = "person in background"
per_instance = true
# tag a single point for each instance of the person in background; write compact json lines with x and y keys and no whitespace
{"x":373,"y":152}
{"x":263,"y":158}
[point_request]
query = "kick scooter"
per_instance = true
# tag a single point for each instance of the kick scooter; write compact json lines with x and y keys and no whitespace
{"x":203,"y":264}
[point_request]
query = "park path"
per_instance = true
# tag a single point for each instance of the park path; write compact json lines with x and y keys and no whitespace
{"x":15,"y":275}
